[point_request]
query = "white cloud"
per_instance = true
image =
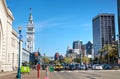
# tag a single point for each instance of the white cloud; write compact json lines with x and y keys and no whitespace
{"x":53,"y":22}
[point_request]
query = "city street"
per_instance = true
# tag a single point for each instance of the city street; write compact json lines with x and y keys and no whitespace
{"x":77,"y":74}
{"x":90,"y":74}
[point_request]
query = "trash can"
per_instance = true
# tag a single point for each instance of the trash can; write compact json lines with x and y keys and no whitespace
{"x":51,"y":69}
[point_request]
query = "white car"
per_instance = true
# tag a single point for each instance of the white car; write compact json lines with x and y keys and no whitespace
{"x":97,"y":67}
{"x":81,"y":67}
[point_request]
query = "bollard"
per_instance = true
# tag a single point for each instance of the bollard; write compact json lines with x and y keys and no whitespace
{"x":38,"y":69}
{"x":38,"y":75}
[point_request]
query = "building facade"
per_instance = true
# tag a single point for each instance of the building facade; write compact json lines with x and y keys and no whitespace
{"x":89,"y":50}
{"x":69,"y":52}
{"x":8,"y":39}
{"x":103,"y":31}
{"x":76,"y":51}
{"x":25,"y":56}
{"x":77,"y":47}
{"x":14,"y":49}
{"x":30,"y":44}
{"x":77,"y":44}
{"x":118,"y":10}
{"x":89,"y":47}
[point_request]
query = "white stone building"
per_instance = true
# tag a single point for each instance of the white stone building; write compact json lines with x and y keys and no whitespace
{"x":8,"y":39}
{"x":25,"y":56}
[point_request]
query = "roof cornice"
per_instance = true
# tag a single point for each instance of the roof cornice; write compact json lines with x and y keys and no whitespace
{"x":9,"y":13}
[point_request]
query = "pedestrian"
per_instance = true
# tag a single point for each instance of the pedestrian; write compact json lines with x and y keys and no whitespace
{"x":86,"y":67}
{"x":47,"y":70}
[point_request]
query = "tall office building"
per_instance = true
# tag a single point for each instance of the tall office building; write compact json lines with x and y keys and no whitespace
{"x":118,"y":10}
{"x":89,"y":47}
{"x":30,"y":35}
{"x":103,"y":30}
{"x":77,"y":44}
{"x":77,"y":47}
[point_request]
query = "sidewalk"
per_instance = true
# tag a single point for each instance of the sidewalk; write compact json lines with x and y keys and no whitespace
{"x":31,"y":75}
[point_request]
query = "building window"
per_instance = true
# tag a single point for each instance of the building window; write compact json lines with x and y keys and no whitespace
{"x":30,"y":29}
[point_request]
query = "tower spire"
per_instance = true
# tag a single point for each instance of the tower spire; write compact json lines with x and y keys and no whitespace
{"x":30,"y":44}
{"x":30,"y":17}
{"x":30,"y":10}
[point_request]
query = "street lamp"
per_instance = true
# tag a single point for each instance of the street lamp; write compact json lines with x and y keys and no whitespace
{"x":44,"y":60}
{"x":20,"y":37}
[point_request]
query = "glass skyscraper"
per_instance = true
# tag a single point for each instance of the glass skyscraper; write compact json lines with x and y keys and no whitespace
{"x":103,"y":31}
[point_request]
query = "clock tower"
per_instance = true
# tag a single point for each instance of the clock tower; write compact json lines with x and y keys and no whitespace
{"x":30,"y":34}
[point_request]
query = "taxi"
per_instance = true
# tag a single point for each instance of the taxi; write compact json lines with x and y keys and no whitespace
{"x":58,"y":67}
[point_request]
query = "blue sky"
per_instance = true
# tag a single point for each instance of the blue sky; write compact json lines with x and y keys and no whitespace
{"x":59,"y":22}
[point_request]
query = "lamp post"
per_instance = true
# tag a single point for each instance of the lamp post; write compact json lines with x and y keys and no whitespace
{"x":44,"y":60}
{"x":20,"y":36}
{"x":80,"y":53}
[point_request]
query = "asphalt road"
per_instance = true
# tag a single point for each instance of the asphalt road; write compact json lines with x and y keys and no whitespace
{"x":90,"y":74}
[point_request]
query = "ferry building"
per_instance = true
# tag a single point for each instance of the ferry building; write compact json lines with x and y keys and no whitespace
{"x":8,"y":40}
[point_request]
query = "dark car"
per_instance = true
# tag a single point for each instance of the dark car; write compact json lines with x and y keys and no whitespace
{"x":106,"y":66}
{"x":72,"y":67}
{"x":116,"y":66}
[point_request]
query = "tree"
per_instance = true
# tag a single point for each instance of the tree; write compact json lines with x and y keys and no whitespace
{"x":85,"y":60}
{"x":67,"y":60}
{"x":101,"y":51}
{"x":77,"y":60}
{"x":111,"y":52}
{"x":46,"y":60}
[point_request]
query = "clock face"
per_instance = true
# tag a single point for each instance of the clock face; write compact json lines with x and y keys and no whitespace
{"x":29,"y":39}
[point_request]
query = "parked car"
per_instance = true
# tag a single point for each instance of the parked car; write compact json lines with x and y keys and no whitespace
{"x":72,"y":67}
{"x":116,"y":66}
{"x":106,"y":66}
{"x":97,"y":67}
{"x":81,"y":67}
{"x":58,"y":67}
{"x":77,"y":66}
{"x":66,"y":66}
